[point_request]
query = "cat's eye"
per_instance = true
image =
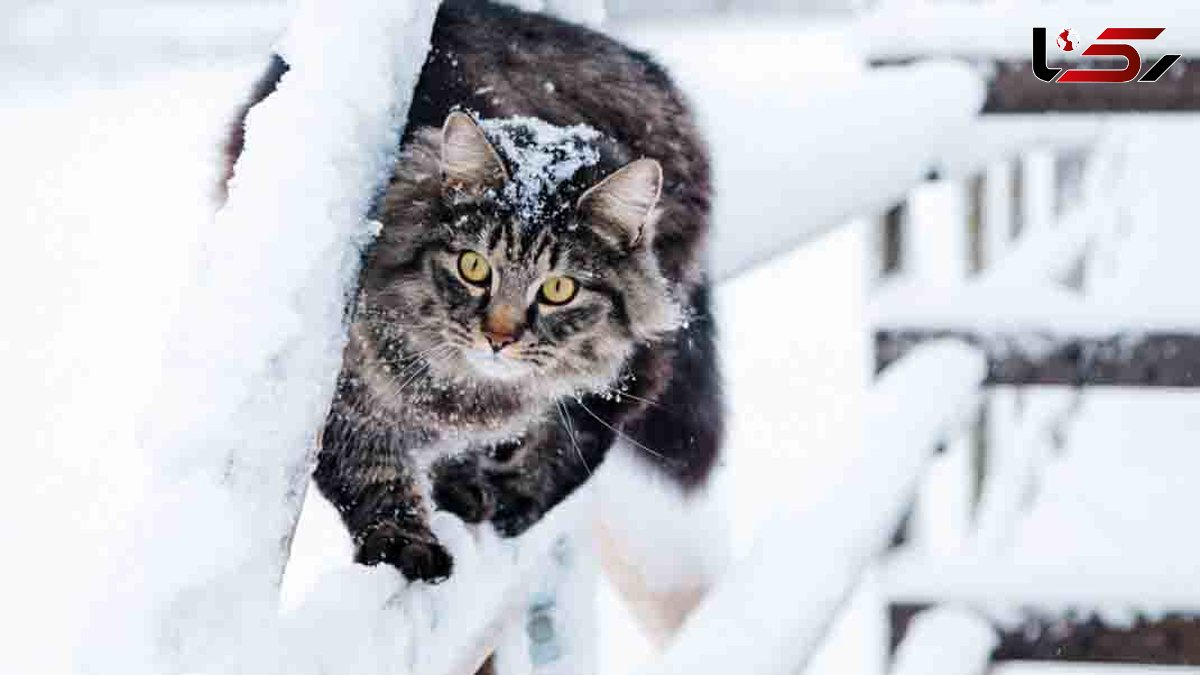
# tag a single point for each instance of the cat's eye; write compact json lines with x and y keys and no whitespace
{"x":558,"y":290}
{"x":474,"y":268}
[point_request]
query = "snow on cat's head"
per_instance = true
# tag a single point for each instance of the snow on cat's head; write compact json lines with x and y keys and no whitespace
{"x":513,"y":254}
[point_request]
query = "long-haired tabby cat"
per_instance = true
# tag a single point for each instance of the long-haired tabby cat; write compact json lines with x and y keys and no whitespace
{"x":536,"y":292}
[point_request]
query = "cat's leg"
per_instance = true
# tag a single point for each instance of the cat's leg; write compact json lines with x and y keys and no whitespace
{"x":382,"y":506}
{"x":513,"y":485}
{"x":459,"y":486}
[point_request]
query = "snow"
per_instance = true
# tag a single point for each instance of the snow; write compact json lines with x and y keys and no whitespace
{"x":1039,"y":311}
{"x":942,"y":515}
{"x":1023,"y":292}
{"x":1091,"y":492}
{"x":946,"y":641}
{"x":1015,"y":467}
{"x":97,"y":217}
{"x":831,"y":141}
{"x":749,"y":623}
{"x":430,"y":629}
{"x":1006,"y":137}
{"x":543,"y":157}
{"x":254,"y":349}
{"x":934,"y":234}
{"x":677,"y":540}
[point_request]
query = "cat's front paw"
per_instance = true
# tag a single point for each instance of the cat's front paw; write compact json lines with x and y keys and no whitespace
{"x":417,"y":555}
{"x":460,"y":489}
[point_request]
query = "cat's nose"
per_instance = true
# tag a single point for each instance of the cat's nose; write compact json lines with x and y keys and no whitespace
{"x":499,"y":341}
{"x":502,"y":326}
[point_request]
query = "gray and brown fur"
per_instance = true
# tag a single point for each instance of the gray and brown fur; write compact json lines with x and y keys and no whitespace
{"x":414,"y":425}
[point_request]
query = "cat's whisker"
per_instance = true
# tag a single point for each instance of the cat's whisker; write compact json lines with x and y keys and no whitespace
{"x":625,"y":394}
{"x":619,"y":393}
{"x":412,"y":366}
{"x":407,"y":366}
{"x":413,"y":377}
{"x":416,"y":355}
{"x":562,"y":415}
{"x":620,"y":433}
{"x":462,"y":333}
{"x":415,"y":369}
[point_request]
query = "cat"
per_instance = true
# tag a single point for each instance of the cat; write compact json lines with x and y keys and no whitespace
{"x":537,"y":290}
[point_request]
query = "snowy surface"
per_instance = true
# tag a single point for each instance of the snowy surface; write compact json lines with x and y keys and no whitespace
{"x":769,"y":612}
{"x":788,"y":104}
{"x":1119,"y":215}
{"x":1100,"y":525}
{"x":252,"y":350}
{"x":1106,"y":529}
{"x":80,"y":250}
{"x":545,"y":157}
{"x":946,"y":641}
{"x":1006,"y":137}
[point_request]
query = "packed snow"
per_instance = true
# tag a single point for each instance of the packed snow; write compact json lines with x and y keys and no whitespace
{"x":543,"y":157}
{"x":254,"y":350}
{"x":767,"y":615}
{"x":798,"y":149}
{"x":946,"y":641}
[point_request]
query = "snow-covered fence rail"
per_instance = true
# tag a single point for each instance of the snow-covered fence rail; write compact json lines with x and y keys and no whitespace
{"x":1043,"y":314}
{"x":865,"y":158}
{"x":1043,"y":611}
{"x":772,"y":610}
{"x":945,"y":641}
{"x":831,"y":142}
{"x":1024,"y":349}
{"x":257,"y":348}
{"x":1035,"y":326}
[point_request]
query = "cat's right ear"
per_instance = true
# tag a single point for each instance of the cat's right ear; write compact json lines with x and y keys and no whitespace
{"x":623,"y":204}
{"x":469,"y":162}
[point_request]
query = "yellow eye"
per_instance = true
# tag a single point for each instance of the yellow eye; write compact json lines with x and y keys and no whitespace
{"x":474,"y":268}
{"x":558,"y":290}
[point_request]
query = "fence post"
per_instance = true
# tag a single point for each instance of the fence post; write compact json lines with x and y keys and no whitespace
{"x":946,"y":641}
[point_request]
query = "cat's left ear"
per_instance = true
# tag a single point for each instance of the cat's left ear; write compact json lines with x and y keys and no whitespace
{"x":623,"y":203}
{"x":468,"y":159}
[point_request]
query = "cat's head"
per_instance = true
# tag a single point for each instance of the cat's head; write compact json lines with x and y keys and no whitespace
{"x":514,"y":254}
